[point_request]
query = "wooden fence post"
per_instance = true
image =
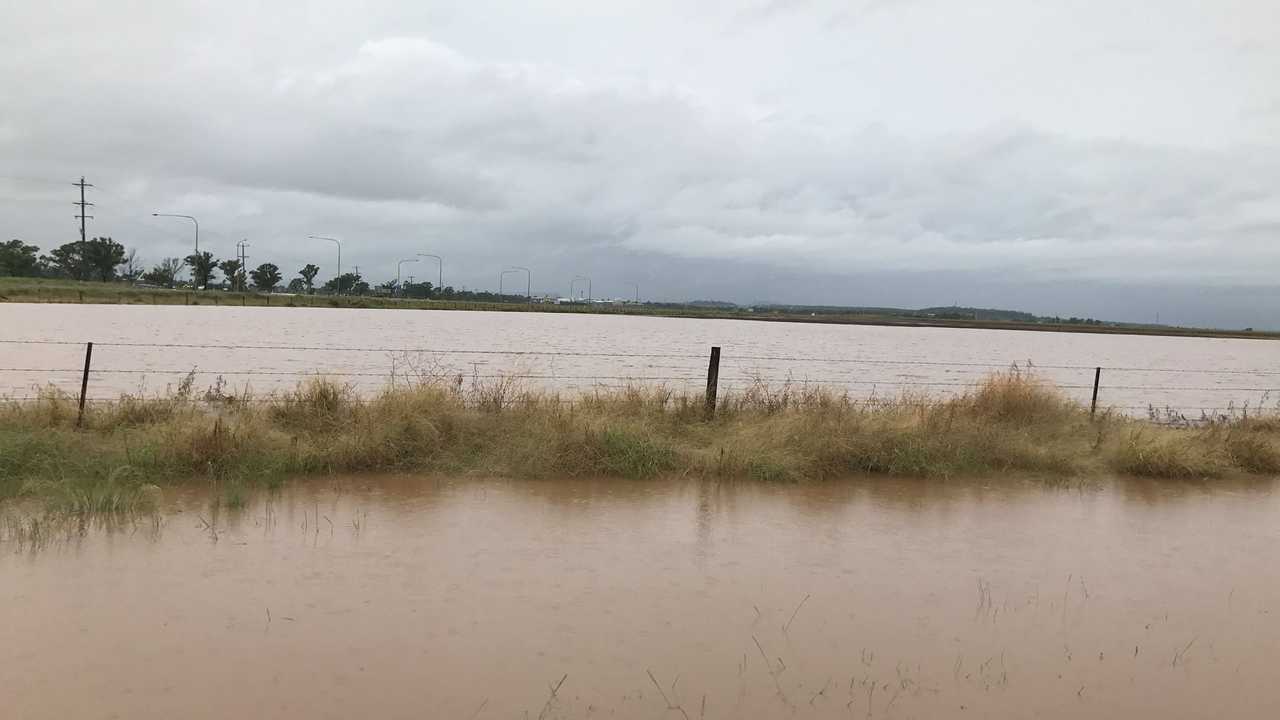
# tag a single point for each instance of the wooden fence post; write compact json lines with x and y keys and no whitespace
{"x":1093,"y":406}
{"x":84,"y":381}
{"x":713,"y":380}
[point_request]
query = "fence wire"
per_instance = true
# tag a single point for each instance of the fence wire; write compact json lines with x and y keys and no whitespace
{"x":794,"y":372}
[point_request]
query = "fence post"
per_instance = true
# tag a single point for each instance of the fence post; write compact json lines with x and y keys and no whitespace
{"x":84,"y":381}
{"x":713,"y":380}
{"x":1093,"y":406}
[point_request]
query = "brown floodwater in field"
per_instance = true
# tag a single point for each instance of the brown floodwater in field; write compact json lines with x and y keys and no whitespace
{"x":269,"y":349}
{"x":416,"y":598}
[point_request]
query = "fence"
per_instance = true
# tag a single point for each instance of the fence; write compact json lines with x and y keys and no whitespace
{"x":113,"y":368}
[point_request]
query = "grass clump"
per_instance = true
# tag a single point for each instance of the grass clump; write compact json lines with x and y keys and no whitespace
{"x":1008,"y":423}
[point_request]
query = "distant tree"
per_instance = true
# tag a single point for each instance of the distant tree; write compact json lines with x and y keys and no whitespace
{"x":417,"y":290}
{"x":165,"y":274}
{"x":308,"y":274}
{"x":19,"y":259}
{"x":347,"y":283}
{"x":132,"y":266}
{"x":231,"y":271}
{"x":202,"y":267}
{"x":297,"y":286}
{"x":68,"y":261}
{"x":265,"y":277}
{"x":103,"y":255}
{"x":360,"y":288}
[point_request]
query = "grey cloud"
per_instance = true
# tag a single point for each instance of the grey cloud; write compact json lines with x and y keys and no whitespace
{"x":400,"y":139}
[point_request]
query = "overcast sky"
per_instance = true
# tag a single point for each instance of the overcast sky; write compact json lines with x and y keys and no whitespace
{"x":1114,"y":158}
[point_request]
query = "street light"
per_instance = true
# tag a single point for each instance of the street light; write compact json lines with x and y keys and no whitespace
{"x":440,"y":273}
{"x":337,"y":242}
{"x":528,"y":279}
{"x":576,"y":279}
{"x":189,"y":217}
{"x":503,"y":276}
{"x":637,"y":287}
{"x":398,"y":266}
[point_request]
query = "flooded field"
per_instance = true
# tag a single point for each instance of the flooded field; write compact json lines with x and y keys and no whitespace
{"x":142,"y":349}
{"x":409,"y":598}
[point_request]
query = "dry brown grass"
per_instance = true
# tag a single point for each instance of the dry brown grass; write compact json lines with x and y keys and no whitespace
{"x":1008,"y":423}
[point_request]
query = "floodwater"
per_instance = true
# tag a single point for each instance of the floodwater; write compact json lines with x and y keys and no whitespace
{"x":266,"y":349}
{"x":412,"y":598}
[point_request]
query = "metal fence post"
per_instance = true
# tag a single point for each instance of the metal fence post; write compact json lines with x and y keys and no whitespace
{"x":1093,"y":406}
{"x":84,"y":381}
{"x":713,"y":380}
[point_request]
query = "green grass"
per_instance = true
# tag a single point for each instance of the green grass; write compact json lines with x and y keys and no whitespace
{"x":130,"y":449}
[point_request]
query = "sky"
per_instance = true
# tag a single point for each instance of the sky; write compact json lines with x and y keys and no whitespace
{"x":1115,"y":159}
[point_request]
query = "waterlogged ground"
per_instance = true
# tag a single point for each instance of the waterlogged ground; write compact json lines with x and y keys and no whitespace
{"x":409,"y":598}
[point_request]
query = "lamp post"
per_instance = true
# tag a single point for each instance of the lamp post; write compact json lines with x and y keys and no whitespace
{"x":503,"y":276}
{"x":189,"y":217}
{"x":398,"y":266}
{"x":337,"y":242}
{"x":528,"y":279}
{"x":576,"y":279}
{"x":440,"y":272}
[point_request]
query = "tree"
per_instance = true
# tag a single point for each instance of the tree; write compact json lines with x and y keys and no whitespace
{"x":68,"y":261}
{"x":308,"y":274}
{"x":297,"y":286}
{"x":348,"y":281}
{"x":202,"y":267}
{"x":165,"y":274}
{"x":417,"y":290}
{"x":231,"y":271}
{"x":132,"y":266}
{"x":266,"y":277}
{"x":19,"y":259}
{"x":103,"y":255}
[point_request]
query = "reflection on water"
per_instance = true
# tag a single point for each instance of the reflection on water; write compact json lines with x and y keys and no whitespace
{"x":409,"y":597}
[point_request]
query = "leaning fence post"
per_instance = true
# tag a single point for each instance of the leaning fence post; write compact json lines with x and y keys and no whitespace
{"x":713,"y":380}
{"x":1093,"y":406}
{"x":84,"y":381}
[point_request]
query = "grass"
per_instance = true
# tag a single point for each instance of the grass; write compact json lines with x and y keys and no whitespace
{"x":1008,"y":423}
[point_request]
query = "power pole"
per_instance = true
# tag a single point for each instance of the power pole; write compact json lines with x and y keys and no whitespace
{"x":244,"y":266}
{"x":82,"y":185}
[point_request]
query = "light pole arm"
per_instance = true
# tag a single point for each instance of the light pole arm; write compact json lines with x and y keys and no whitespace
{"x":338,"y":275}
{"x":440,"y":275}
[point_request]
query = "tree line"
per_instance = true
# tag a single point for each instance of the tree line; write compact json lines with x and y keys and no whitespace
{"x":105,"y":260}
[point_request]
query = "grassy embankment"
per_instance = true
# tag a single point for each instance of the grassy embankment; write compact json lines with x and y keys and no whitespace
{"x":35,"y":290}
{"x":1006,"y":424}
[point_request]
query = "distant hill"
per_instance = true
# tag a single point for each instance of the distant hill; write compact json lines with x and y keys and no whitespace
{"x":951,"y":312}
{"x":971,"y":313}
{"x":718,"y":304}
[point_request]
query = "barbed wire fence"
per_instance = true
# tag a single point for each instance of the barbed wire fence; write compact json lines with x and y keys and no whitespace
{"x":262,"y":371}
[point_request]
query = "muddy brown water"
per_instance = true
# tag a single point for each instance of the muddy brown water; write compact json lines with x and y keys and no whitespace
{"x":417,"y":598}
{"x":1189,"y":374}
